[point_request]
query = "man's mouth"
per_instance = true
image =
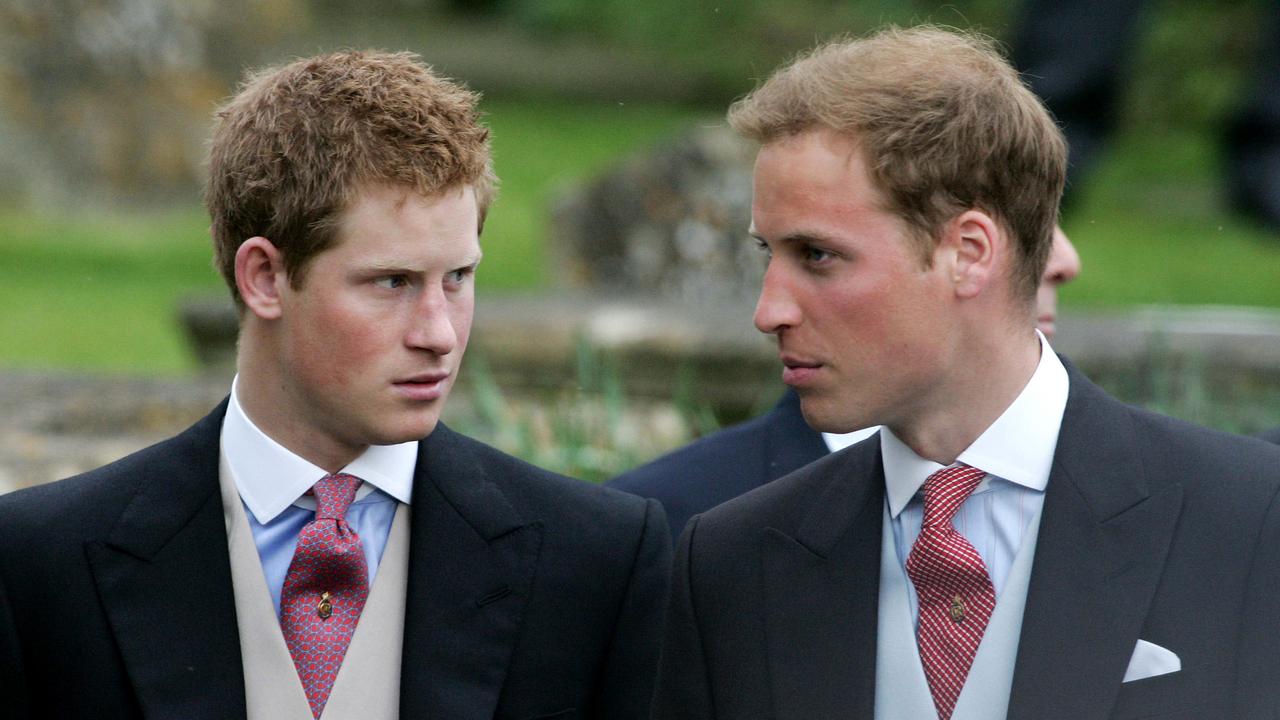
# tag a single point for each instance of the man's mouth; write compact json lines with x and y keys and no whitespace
{"x":798,"y":371}
{"x":423,"y":386}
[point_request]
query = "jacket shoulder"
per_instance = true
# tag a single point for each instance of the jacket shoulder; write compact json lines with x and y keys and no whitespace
{"x":1271,"y":436}
{"x":1198,"y":455}
{"x":89,"y":500}
{"x":784,"y":503}
{"x":87,"y":505}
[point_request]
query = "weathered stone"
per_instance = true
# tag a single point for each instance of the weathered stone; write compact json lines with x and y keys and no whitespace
{"x":211,"y":326}
{"x":669,"y":223}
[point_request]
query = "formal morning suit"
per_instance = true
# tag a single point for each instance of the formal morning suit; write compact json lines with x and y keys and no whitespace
{"x":529,"y":595}
{"x":726,"y":463}
{"x":1151,"y":530}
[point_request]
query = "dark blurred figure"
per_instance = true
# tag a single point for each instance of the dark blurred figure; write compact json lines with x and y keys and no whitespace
{"x":1071,"y":51}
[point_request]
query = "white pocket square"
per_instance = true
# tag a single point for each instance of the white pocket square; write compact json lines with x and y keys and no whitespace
{"x":1150,"y":660}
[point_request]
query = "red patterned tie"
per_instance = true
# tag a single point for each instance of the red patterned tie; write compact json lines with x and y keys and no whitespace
{"x":325,"y":589}
{"x":955,"y":592}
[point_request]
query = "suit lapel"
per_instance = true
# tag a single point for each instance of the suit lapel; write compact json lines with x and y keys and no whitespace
{"x":821,"y":585}
{"x":164,"y":577}
{"x":471,"y":566}
{"x":1100,"y":553}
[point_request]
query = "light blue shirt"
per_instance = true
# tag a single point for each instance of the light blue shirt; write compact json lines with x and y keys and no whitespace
{"x":272,"y":482}
{"x":1016,"y":452}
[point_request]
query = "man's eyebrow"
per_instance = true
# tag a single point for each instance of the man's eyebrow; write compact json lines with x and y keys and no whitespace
{"x":801,"y":238}
{"x":376,"y":266}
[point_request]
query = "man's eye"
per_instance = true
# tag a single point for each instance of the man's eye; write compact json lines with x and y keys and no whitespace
{"x":763,"y":247}
{"x":457,"y":277}
{"x":815,"y":255}
{"x":391,"y":282}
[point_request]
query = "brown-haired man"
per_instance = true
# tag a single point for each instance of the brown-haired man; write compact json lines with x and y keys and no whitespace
{"x":319,"y":546}
{"x":1014,"y":543}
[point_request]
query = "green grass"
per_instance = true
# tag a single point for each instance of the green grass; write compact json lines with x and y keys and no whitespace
{"x":100,"y":293}
{"x":1152,"y":227}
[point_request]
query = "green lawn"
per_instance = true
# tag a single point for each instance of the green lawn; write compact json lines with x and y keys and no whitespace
{"x":1152,"y":227}
{"x":101,"y":292}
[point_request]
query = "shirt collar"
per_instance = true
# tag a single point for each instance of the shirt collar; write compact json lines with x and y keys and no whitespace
{"x":839,"y":441}
{"x":270,"y":478}
{"x":1017,"y":447}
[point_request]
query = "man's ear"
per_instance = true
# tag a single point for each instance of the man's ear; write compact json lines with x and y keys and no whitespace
{"x":260,"y":276}
{"x":974,"y":242}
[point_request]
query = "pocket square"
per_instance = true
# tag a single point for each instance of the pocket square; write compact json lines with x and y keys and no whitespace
{"x":1150,"y":660}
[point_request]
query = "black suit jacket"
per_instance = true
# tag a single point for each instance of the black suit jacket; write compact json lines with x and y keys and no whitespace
{"x":530,"y":595}
{"x":1152,"y":529}
{"x":726,"y":463}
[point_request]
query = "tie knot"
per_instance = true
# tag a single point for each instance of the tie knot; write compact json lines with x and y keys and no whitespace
{"x":334,"y":494}
{"x":946,"y":490}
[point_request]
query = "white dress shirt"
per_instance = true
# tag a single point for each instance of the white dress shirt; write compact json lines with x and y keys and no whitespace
{"x":839,"y":441}
{"x":1016,"y":452}
{"x":272,"y":482}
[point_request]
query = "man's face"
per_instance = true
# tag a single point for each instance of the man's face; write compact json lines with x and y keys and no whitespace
{"x":862,"y":325}
{"x":371,"y":342}
{"x":1062,"y":268}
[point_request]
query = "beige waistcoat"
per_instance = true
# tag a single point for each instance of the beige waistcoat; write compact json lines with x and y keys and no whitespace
{"x":368,"y":684}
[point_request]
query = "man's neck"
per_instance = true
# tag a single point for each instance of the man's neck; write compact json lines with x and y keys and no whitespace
{"x":976,"y":394}
{"x":267,"y":405}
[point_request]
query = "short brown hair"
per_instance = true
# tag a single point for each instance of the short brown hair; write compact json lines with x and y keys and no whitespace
{"x":297,"y":143}
{"x":945,"y":123}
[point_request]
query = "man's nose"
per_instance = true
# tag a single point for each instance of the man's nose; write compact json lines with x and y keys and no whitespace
{"x":432,"y":326}
{"x":776,"y":309}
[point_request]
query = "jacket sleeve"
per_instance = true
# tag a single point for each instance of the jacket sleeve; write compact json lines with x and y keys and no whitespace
{"x":684,"y":687}
{"x":626,"y":683}
{"x":12,"y":680}
{"x":1258,"y":676}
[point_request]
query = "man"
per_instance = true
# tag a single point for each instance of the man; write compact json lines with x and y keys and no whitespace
{"x":1013,"y":542}
{"x":319,"y":545}
{"x":735,"y":460}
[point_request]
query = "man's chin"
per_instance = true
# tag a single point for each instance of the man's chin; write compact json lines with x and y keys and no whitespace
{"x":824,"y":415}
{"x":409,"y":430}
